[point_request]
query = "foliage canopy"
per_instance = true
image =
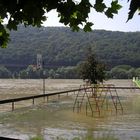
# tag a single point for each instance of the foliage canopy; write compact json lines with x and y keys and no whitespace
{"x":60,"y":46}
{"x":71,"y":13}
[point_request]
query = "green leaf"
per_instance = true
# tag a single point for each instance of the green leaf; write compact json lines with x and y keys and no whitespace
{"x":12,"y":25}
{"x":99,"y":6}
{"x":4,"y":36}
{"x":115,"y":6}
{"x":108,"y":13}
{"x":113,"y":9}
{"x":87,"y":27}
{"x":134,"y":6}
{"x":75,"y":28}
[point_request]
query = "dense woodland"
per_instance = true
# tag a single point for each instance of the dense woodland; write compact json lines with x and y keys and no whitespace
{"x":63,"y":50}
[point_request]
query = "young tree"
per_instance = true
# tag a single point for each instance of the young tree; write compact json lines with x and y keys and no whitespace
{"x":71,"y":13}
{"x":92,"y":70}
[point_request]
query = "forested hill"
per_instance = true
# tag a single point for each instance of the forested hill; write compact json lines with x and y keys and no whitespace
{"x":62,"y":47}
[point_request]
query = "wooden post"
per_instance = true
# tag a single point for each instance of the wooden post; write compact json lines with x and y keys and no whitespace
{"x":47,"y":98}
{"x":58,"y":96}
{"x":44,"y":73}
{"x":77,"y":106}
{"x":33,"y":101}
{"x":13,"y":107}
{"x":86,"y":108}
{"x":44,"y":84}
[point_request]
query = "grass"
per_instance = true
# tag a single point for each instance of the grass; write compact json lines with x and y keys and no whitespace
{"x":37,"y":138}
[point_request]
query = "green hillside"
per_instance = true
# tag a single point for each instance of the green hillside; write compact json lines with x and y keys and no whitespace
{"x":62,"y":47}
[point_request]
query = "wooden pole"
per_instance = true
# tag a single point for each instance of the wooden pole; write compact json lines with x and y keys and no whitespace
{"x":13,"y":107}
{"x":44,"y":73}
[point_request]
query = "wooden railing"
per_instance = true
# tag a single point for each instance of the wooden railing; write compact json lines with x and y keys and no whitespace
{"x":6,"y":101}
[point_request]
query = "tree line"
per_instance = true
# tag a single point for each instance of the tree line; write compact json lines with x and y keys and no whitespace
{"x":31,"y":72}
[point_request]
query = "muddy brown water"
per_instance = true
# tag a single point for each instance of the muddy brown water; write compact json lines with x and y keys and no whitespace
{"x":55,"y":120}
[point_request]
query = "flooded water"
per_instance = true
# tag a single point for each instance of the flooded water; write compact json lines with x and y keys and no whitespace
{"x":55,"y":120}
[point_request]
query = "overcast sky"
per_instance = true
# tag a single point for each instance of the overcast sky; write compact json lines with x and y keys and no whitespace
{"x":118,"y":23}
